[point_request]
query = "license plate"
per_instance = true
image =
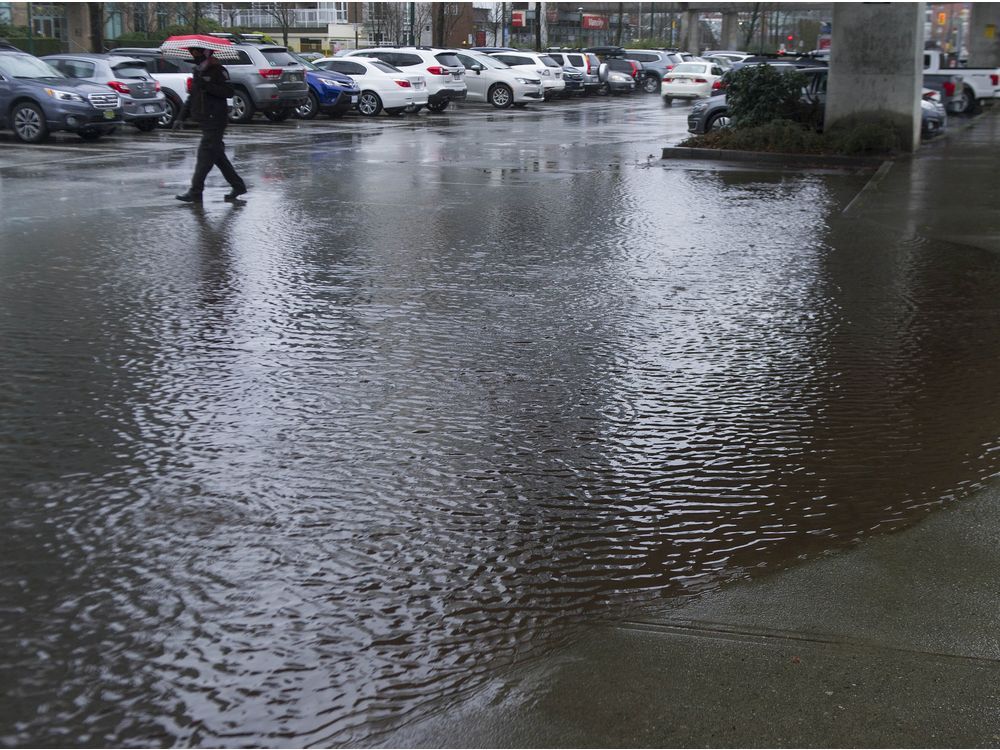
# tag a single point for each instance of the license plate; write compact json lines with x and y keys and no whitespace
{"x":109,"y":114}
{"x":456,"y":76}
{"x":354,"y":100}
{"x":151,"y":108}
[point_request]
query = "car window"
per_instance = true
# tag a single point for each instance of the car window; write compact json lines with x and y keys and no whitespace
{"x":278,"y":57}
{"x":164,"y":65}
{"x":576,"y":61}
{"x":549,"y":62}
{"x":76,"y":68}
{"x":448,"y":58}
{"x":385,"y":67}
{"x":405,"y":58}
{"x":690,"y":68}
{"x":130,"y":70}
{"x":26,"y":66}
{"x":243,"y":59}
{"x":557,"y":57}
{"x":716,"y":71}
{"x":643,"y":56}
{"x":514,"y":60}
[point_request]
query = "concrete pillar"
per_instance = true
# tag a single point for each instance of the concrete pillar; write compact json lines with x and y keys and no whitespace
{"x":876,"y":65}
{"x":78,"y":30}
{"x":730,"y":30}
{"x":690,"y":34}
{"x":984,"y":35}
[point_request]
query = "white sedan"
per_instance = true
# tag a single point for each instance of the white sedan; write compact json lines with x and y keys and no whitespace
{"x":383,"y":86}
{"x":691,"y":80}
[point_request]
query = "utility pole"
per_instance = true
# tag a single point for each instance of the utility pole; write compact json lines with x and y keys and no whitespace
{"x":31,"y":31}
{"x":538,"y":25}
{"x":543,"y":26}
{"x":412,"y":13}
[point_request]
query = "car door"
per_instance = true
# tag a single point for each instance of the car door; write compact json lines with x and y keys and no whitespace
{"x":477,"y":82}
{"x":6,"y":93}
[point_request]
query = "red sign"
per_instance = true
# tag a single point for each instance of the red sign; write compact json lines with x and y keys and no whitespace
{"x":517,"y":18}
{"x":594,"y":22}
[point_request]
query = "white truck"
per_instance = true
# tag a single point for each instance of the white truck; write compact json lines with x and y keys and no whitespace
{"x":978,"y":84}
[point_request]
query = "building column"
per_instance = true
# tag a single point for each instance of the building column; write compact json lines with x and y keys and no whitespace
{"x":78,"y":31}
{"x":984,"y":35}
{"x":876,"y":65}
{"x":690,"y":36}
{"x":730,"y":30}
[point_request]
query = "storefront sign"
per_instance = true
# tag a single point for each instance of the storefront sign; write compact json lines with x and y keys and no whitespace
{"x":594,"y":22}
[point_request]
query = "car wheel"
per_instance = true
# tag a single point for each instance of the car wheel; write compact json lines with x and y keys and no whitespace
{"x":369,"y":103}
{"x":650,"y":84}
{"x":28,"y":123}
{"x":438,"y":106}
{"x":278,"y":115}
{"x":90,"y":135}
{"x":308,"y":110}
{"x":717,"y":122}
{"x":501,"y":96}
{"x":145,"y":126}
{"x":173,"y":108}
{"x":667,"y":101}
{"x":242,"y":109}
{"x":968,"y":101}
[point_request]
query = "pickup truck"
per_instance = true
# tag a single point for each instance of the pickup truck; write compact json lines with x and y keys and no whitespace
{"x":977,"y":83}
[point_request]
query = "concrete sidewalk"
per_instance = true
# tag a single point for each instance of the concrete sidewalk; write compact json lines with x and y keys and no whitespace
{"x":892,"y":643}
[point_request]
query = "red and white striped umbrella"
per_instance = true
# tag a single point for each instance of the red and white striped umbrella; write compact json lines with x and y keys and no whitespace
{"x":180,"y":46}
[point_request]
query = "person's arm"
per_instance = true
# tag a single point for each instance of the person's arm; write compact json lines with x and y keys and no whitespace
{"x":215,"y":81}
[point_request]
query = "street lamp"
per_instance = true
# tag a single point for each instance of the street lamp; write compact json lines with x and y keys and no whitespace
{"x":580,"y":11}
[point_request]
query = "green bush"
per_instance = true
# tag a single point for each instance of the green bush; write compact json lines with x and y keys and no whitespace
{"x":865,"y":136}
{"x":848,"y":138}
{"x":759,"y":94}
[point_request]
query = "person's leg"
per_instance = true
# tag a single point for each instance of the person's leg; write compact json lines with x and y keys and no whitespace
{"x":226,"y":167}
{"x":208,"y":147}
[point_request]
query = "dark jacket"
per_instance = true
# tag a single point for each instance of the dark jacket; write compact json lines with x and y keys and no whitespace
{"x":210,"y":88}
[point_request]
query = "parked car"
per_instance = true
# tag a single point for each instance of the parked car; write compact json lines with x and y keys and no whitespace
{"x":35,"y":99}
{"x":331,"y":93}
{"x":573,"y":79}
{"x":493,"y":81}
{"x":172,"y":75}
{"x":933,"y":114}
{"x":382,"y":86}
{"x":691,"y":80}
{"x":444,"y":74}
{"x":266,"y":78}
{"x":616,"y":59}
{"x":536,"y":64}
{"x":655,"y":65}
{"x":729,"y":54}
{"x":586,"y":62}
{"x":143,"y":102}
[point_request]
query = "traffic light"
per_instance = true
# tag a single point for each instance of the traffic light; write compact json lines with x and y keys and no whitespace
{"x":791,"y":38}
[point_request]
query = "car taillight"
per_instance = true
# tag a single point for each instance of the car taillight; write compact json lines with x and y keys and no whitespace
{"x":716,"y":85}
{"x":701,"y":80}
{"x":120,"y":87}
{"x":404,"y":84}
{"x":995,"y":79}
{"x":670,"y":67}
{"x":437,"y":70}
{"x":267,"y":73}
{"x":635,"y":70}
{"x":188,"y":82}
{"x":157,"y":85}
{"x":949,"y":88}
{"x":668,"y":80}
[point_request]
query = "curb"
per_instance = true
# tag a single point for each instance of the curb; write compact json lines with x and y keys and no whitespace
{"x":760,"y":157}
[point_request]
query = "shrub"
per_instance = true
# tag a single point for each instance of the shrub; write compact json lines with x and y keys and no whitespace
{"x":864,"y":136}
{"x":759,"y":94}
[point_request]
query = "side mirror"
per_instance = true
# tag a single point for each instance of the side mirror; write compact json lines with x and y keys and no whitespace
{"x":602,"y":72}
{"x":478,"y":68}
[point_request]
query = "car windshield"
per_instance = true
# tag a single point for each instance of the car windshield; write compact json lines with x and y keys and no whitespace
{"x":549,"y":62}
{"x":448,"y":59}
{"x":130,"y":70}
{"x":490,"y":62}
{"x":26,"y":66}
{"x":280,"y":57}
{"x":297,"y":59}
{"x":385,"y":67}
{"x":691,"y":68}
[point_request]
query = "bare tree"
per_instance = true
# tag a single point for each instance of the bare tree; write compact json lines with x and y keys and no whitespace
{"x":283,"y":15}
{"x":750,"y":25}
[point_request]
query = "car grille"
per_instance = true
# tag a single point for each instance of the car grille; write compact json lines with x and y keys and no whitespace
{"x":104,"y":101}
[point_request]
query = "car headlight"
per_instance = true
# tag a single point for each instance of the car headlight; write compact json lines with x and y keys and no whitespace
{"x":64,"y":96}
{"x":699,"y":106}
{"x":525,"y":80}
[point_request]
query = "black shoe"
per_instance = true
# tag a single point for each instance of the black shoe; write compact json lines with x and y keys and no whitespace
{"x":189,"y":197}
{"x":235,"y":193}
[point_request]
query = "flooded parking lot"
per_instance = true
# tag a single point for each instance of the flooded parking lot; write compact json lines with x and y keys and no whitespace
{"x":442,"y":391}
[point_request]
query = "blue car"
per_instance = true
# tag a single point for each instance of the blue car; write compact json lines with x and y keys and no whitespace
{"x":330,"y":92}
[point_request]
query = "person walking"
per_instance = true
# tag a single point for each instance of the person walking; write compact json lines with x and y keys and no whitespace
{"x":210,"y":88}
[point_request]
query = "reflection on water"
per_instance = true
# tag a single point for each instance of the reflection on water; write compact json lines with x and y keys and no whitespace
{"x":293,"y":470}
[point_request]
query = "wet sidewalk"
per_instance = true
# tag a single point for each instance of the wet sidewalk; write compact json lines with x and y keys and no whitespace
{"x":894,"y":641}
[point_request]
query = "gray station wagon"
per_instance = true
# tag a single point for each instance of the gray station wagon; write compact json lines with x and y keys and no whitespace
{"x":35,"y":99}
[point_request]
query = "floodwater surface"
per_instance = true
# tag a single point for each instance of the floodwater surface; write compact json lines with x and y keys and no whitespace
{"x":442,"y":390}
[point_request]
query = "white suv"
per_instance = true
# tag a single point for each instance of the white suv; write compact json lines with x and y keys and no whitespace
{"x":444,"y":74}
{"x":490,"y":80}
{"x":550,"y":71}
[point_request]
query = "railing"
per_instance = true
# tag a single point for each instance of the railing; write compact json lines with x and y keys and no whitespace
{"x":297,"y":17}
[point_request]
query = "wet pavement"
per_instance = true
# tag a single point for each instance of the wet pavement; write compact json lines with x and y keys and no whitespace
{"x":444,"y":395}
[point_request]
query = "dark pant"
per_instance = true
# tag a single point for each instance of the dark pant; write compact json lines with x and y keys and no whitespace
{"x":212,"y":153}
